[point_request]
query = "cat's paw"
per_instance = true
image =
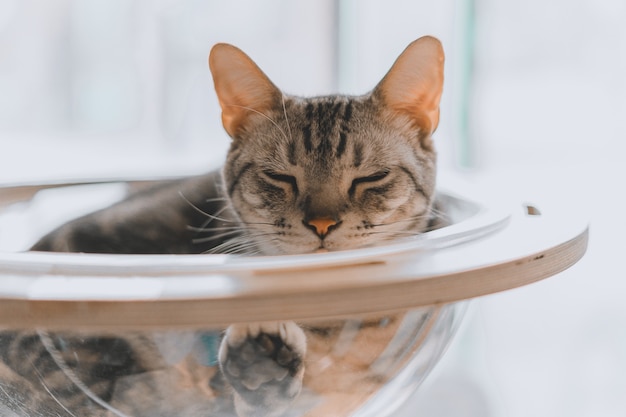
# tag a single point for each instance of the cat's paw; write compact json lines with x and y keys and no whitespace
{"x":264,"y":363}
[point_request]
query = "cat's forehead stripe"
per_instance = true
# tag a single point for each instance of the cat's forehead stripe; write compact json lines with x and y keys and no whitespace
{"x":306,"y":131}
{"x":341,"y":148}
{"x":327,"y":118}
{"x":345,"y":129}
{"x":326,"y":126}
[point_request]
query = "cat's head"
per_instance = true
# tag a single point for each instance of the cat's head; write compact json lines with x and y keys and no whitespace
{"x":333,"y":172}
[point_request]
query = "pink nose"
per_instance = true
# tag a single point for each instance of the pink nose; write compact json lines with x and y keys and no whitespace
{"x":322,"y":226}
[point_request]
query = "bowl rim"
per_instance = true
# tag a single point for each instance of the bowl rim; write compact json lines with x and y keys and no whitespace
{"x":51,"y":289}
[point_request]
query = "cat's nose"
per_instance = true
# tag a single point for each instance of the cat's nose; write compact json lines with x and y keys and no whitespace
{"x":321,"y":226}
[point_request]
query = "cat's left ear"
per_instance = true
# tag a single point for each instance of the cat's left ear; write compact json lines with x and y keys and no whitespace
{"x":414,"y":84}
{"x":243,"y":90}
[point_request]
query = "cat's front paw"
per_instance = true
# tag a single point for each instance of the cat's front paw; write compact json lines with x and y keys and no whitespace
{"x":264,"y":363}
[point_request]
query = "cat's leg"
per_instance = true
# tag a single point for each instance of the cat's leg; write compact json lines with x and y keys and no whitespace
{"x":264,"y":363}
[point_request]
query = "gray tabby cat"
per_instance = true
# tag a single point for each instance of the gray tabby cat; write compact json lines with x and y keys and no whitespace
{"x":302,"y":175}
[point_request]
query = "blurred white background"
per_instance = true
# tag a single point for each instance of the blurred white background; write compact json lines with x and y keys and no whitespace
{"x":121,"y":87}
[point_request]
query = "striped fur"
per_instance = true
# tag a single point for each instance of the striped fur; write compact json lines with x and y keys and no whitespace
{"x":336,"y":157}
{"x":334,"y":172}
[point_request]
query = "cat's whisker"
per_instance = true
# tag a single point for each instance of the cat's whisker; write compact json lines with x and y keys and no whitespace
{"x":242,"y":243}
{"x":214,"y":237}
{"x":236,"y":225}
{"x":441,"y":216}
{"x":204,"y":229}
{"x":405,"y":232}
{"x":209,"y":215}
{"x":411,"y":219}
{"x":286,"y":118}
{"x":438,"y":213}
{"x":257,"y":223}
{"x":233,"y":242}
{"x":233,"y":248}
{"x":216,"y":215}
{"x":397,"y":233}
{"x":264,"y":115}
{"x":198,"y":209}
{"x":397,"y":222}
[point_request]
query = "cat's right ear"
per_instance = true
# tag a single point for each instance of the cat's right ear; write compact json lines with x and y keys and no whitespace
{"x":414,"y":84}
{"x":242,"y":88}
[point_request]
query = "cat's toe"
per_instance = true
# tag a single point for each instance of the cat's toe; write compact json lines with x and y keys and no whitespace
{"x":264,"y":365}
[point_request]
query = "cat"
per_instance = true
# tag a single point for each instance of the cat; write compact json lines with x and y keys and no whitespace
{"x":302,"y":175}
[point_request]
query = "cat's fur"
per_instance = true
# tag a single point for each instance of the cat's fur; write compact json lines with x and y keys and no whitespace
{"x":302,"y":175}
{"x":365,"y":164}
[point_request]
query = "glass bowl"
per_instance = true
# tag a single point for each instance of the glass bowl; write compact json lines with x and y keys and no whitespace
{"x":350,"y":333}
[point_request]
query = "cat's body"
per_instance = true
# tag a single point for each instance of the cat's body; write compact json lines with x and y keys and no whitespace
{"x":319,"y":159}
{"x":170,"y":218}
{"x":302,"y":175}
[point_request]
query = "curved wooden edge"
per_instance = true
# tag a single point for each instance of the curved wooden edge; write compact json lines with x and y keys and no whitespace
{"x":15,"y":193}
{"x":362,"y":300}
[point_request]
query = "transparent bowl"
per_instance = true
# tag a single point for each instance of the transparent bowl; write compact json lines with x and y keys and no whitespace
{"x":349,"y":333}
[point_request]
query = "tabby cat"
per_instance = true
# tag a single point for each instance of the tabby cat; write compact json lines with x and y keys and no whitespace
{"x":302,"y":175}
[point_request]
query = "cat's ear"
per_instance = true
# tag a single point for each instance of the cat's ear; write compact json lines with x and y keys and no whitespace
{"x":242,"y":88}
{"x":414,"y":84}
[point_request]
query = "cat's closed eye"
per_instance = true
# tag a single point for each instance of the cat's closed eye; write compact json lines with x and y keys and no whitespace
{"x":370,"y":179}
{"x":283,"y":179}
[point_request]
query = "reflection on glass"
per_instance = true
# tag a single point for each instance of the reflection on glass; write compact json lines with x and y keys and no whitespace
{"x":315,"y":368}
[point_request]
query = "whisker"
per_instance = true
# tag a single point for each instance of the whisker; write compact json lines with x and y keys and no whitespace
{"x":397,"y":233}
{"x":438,"y":213}
{"x":231,"y":243}
{"x":216,"y":215}
{"x":232,"y":248}
{"x":214,"y":237}
{"x":428,"y":214}
{"x":257,"y":223}
{"x":400,"y":233}
{"x":264,"y":115}
{"x":242,"y":244}
{"x":286,"y":118}
{"x":199,"y":210}
{"x":204,"y":229}
{"x":412,"y":219}
{"x":242,"y":226}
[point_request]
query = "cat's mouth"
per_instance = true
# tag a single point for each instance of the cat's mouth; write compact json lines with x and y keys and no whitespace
{"x":321,"y":249}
